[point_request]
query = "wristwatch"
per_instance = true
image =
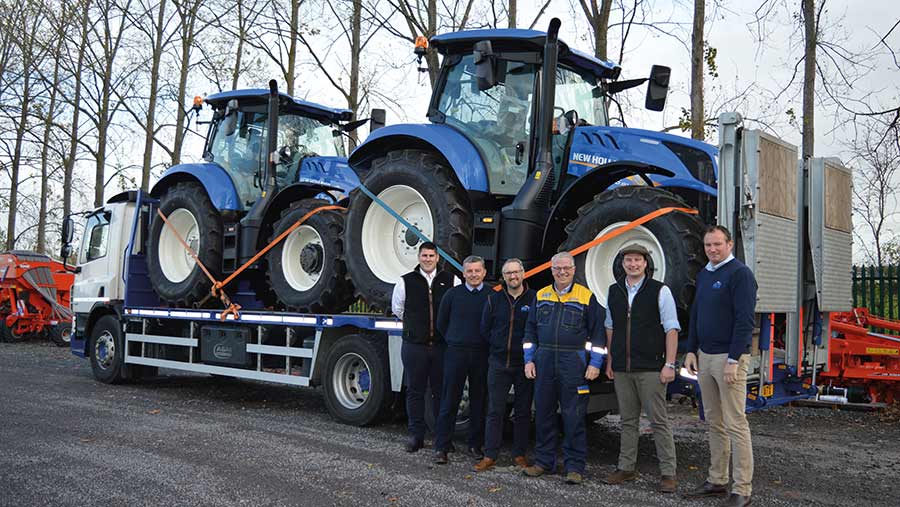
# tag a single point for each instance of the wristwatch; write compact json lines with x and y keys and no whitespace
{"x":670,"y":365}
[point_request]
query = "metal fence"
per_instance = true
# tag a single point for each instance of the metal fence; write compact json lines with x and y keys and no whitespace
{"x":878,"y":289}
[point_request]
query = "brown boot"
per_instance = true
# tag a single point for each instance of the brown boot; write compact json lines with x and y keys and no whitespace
{"x":668,"y":484}
{"x":534,"y":471}
{"x":620,"y":476}
{"x":521,"y":462}
{"x":485,"y":464}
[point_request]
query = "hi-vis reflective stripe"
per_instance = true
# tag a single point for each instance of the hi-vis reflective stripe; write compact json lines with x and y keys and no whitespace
{"x":599,"y":350}
{"x":527,"y":345}
{"x":587,"y":346}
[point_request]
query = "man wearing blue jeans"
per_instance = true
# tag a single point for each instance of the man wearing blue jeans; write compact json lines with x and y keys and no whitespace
{"x":502,"y":328}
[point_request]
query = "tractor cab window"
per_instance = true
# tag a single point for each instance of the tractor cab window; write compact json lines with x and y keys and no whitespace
{"x":96,"y":237}
{"x":579,"y":92}
{"x":496,"y":120}
{"x":241,"y":151}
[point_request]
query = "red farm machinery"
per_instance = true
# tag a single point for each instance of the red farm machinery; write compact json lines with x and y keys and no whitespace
{"x":34,"y":298}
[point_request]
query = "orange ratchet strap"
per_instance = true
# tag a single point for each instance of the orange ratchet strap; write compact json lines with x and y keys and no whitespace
{"x":217,"y":287}
{"x":608,"y":236}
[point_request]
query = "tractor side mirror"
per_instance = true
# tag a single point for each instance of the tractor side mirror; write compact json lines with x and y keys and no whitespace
{"x":657,"y":87}
{"x":567,"y":121}
{"x":377,"y":119}
{"x":229,"y":124}
{"x":485,"y":65}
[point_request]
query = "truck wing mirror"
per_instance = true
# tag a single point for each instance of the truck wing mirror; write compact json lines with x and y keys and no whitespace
{"x":66,"y":251}
{"x":68,"y":230}
{"x":485,"y":65}
{"x":658,"y":87}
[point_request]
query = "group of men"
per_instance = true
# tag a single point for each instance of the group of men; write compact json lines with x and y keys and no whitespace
{"x":549,"y":344}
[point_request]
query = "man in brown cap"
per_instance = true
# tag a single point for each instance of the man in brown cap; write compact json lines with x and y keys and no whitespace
{"x":642,"y":340}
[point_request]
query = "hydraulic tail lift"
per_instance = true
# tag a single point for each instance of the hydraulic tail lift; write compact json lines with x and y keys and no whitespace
{"x":791,"y":223}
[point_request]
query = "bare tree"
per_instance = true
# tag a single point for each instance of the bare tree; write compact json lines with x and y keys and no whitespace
{"x":277,"y":36}
{"x":876,"y":165}
{"x":191,"y":26}
{"x":697,"y":39}
{"x":598,"y":19}
{"x":81,"y":10}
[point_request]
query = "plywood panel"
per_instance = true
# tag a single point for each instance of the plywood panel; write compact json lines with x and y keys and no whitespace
{"x":838,"y":195}
{"x":777,"y":179}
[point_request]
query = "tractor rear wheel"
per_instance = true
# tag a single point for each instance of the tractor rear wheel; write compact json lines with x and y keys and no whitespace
{"x":174,"y":274}
{"x":418,"y":186}
{"x":675,"y":241}
{"x":306,"y":269}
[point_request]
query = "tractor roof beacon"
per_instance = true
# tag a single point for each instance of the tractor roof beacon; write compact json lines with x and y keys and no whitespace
{"x":518,"y":160}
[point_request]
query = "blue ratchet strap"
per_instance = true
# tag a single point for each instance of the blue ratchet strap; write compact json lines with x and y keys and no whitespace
{"x":410,"y":226}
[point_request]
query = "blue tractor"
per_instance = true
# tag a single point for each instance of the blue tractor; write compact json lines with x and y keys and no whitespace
{"x":269,"y":159}
{"x":519,"y":160}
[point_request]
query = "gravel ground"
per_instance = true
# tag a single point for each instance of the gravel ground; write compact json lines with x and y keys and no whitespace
{"x":194,"y":440}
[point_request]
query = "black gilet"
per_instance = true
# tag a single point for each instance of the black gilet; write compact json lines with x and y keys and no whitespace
{"x":418,"y":321}
{"x":643,"y":346}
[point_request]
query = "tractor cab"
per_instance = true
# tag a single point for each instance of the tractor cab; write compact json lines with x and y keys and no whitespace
{"x":237,"y":138}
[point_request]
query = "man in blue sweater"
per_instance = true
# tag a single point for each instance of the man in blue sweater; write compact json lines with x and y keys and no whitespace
{"x":721,"y":327}
{"x":459,"y":321}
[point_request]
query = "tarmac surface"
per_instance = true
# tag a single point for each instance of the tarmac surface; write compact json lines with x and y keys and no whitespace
{"x":66,"y":439}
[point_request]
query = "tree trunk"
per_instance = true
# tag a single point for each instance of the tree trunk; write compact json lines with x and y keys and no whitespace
{"x":512,"y":13}
{"x":601,"y":29}
{"x":149,"y":130}
{"x":17,"y":159}
{"x":290,"y":75}
{"x":355,"y":50}
{"x":76,"y":110}
{"x":809,"y":78}
{"x":698,"y":118}
{"x":238,"y":56}
{"x":188,"y":19}
{"x":45,"y":148}
{"x":431,"y":56}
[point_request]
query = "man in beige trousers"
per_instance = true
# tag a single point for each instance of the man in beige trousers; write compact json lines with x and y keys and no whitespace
{"x":721,"y":327}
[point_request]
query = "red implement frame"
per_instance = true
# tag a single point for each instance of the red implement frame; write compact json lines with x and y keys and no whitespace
{"x":34,"y":293}
{"x":859,"y":357}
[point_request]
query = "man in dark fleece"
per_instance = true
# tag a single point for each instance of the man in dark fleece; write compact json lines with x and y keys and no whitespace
{"x":459,"y":320}
{"x":502,"y":328}
{"x":721,"y":327}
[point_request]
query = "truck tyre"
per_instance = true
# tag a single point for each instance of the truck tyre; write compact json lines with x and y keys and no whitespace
{"x":107,"y":350}
{"x":379,"y":249}
{"x":357,"y":380}
{"x":675,"y":241}
{"x":174,"y":275}
{"x":60,"y":334}
{"x":306,"y":269}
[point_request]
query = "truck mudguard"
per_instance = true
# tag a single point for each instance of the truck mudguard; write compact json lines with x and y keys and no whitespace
{"x":214,"y":179}
{"x":460,"y":153}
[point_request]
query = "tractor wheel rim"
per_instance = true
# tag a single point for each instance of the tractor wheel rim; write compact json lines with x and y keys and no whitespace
{"x":66,"y":335}
{"x":298,"y":276}
{"x":174,"y":260}
{"x":105,"y":350}
{"x":351,"y":380}
{"x":598,"y":263}
{"x":390,"y":249}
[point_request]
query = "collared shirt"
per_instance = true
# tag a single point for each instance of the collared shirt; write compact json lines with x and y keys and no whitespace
{"x":475,"y":289}
{"x":563,"y":291}
{"x":668,"y":314}
{"x":713,"y":267}
{"x":398,"y":297}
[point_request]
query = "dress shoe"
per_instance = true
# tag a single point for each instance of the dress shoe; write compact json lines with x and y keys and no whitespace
{"x":440,"y":458}
{"x":521,"y":462}
{"x":485,"y":464}
{"x":534,"y":471}
{"x":620,"y":476}
{"x":574,"y":478}
{"x":735,"y":500}
{"x":413,"y":444}
{"x":667,"y":484}
{"x":451,"y":448}
{"x":707,"y":489}
{"x":476,"y":453}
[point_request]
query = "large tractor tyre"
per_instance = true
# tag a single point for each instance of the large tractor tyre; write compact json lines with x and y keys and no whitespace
{"x":306,"y":268}
{"x":379,"y":249}
{"x":175,"y":277}
{"x":675,"y":241}
{"x":107,"y":350}
{"x":60,"y":334}
{"x":357,"y":380}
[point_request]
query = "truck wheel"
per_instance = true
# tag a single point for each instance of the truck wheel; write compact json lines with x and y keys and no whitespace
{"x":60,"y":334}
{"x":462,"y":415}
{"x":107,"y":350}
{"x":357,"y":380}
{"x":175,"y":277}
{"x":379,"y":249}
{"x":306,"y":269}
{"x":675,"y":241}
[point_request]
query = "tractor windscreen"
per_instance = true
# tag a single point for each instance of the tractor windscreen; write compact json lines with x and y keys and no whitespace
{"x":240,"y":150}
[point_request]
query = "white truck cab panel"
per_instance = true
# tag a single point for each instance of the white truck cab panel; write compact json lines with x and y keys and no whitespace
{"x":101,"y":256}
